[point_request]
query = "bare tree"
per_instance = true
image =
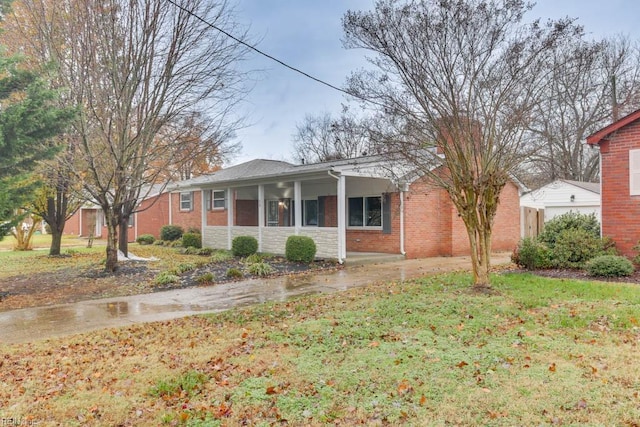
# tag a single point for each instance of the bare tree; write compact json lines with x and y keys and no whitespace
{"x":137,"y":67}
{"x":458,"y":81}
{"x":323,"y":137}
{"x":579,"y":99}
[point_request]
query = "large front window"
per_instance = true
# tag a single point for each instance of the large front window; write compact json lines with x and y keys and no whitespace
{"x":365,"y":211}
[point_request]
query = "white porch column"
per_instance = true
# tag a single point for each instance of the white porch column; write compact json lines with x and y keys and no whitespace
{"x":260,"y":215}
{"x":203,"y":218}
{"x":297,"y":203}
{"x":230,"y":207}
{"x":170,"y":210}
{"x":80,"y":221}
{"x":342,"y":218}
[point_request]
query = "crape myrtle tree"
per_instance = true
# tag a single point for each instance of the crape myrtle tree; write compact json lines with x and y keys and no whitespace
{"x":458,"y":82}
{"x":136,"y":68}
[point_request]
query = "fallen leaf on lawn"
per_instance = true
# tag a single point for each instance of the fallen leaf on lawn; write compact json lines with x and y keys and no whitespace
{"x":552,"y":367}
{"x":462,"y":364}
{"x":404,"y":387}
{"x":582,"y":404}
{"x":423,"y":400}
{"x":272,"y":390}
{"x":374,"y":344}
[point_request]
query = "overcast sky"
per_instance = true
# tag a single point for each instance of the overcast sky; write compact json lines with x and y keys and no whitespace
{"x":307,"y":35}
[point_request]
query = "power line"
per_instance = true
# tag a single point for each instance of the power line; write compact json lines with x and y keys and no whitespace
{"x":266,"y":55}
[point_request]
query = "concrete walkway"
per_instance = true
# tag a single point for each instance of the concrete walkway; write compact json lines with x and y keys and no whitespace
{"x":38,"y":323}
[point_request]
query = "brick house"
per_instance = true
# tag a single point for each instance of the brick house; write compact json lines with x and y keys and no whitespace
{"x":619,"y":145}
{"x":353,"y":205}
{"x":153,"y":212}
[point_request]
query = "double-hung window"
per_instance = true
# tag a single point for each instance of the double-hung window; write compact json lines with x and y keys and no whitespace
{"x":365,"y":211}
{"x":186,"y":201}
{"x":218,"y":199}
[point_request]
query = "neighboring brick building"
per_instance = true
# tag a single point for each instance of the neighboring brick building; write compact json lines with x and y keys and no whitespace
{"x":619,"y":145}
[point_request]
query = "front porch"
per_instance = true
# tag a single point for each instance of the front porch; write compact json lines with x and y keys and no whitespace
{"x":328,"y":208}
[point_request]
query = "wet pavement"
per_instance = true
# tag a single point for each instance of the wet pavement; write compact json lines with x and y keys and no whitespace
{"x":39,"y":323}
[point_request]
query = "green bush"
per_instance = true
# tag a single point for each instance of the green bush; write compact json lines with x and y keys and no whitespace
{"x":205,"y":278}
{"x":531,"y":254}
{"x":609,"y":266}
{"x":221,"y":255}
{"x":171,"y":232}
{"x":166,"y":278}
{"x":184,"y":267}
{"x":193,"y":240}
{"x":194,"y":230}
{"x":253,"y":259}
{"x":260,"y":269}
{"x":300,"y":249}
{"x":234,"y":273}
{"x":205,"y":251}
{"x":146,"y":239}
{"x":568,"y":221}
{"x":244,"y":246}
{"x":575,"y":246}
{"x":175,"y":243}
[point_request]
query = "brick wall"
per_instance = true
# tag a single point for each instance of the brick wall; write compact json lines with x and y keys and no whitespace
{"x":154,"y":213}
{"x":620,"y":210}
{"x":186,"y":219}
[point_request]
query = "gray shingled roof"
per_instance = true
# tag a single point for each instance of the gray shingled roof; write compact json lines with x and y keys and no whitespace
{"x":594,"y":187}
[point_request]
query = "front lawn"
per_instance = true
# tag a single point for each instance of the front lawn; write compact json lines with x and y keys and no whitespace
{"x":430,"y":352}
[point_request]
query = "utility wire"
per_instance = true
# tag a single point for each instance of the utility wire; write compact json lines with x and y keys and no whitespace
{"x":266,"y":55}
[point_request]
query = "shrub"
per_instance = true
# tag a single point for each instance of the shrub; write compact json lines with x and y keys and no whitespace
{"x":171,"y":232}
{"x":609,"y":266}
{"x":183,"y":268}
{"x":194,"y":230}
{"x":253,"y":259}
{"x":175,"y":243}
{"x":243,"y":246}
{"x":574,"y":247}
{"x":205,"y":251}
{"x":531,"y":254}
{"x":205,"y":278}
{"x":193,"y":240}
{"x":159,"y":242}
{"x":300,"y":249}
{"x":146,"y":239}
{"x":166,"y":278}
{"x":234,"y":273}
{"x":568,"y":221}
{"x":260,"y":269}
{"x":221,"y":256}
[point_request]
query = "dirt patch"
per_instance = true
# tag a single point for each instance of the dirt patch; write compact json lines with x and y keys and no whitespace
{"x":73,"y":284}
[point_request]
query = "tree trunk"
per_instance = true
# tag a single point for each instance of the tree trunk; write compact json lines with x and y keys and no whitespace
{"x":480,"y":244}
{"x":112,"y":247}
{"x":56,"y":241}
{"x":123,"y":240}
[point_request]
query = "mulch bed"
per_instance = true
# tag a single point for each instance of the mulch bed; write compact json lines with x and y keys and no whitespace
{"x":70,"y":285}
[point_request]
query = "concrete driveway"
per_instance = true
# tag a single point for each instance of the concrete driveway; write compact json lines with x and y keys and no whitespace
{"x":39,"y":323}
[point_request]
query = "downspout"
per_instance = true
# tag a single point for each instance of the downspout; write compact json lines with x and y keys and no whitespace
{"x":340,"y":259}
{"x":402,"y":191}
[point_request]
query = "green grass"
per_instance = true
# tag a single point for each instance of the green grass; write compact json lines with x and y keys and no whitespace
{"x":430,"y":352}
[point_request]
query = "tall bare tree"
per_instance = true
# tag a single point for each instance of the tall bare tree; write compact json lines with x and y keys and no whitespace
{"x":458,"y":81}
{"x":136,"y":67}
{"x":324,"y":137}
{"x":579,"y":99}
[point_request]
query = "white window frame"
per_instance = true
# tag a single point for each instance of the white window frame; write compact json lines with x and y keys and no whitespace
{"x":364,"y":213}
{"x":634,"y":172}
{"x":215,"y":199}
{"x":183,"y":201}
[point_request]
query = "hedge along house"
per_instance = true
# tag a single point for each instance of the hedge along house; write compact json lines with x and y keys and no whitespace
{"x":345,"y":206}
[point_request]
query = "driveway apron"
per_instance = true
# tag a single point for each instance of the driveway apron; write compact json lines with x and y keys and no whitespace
{"x":39,"y":323}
